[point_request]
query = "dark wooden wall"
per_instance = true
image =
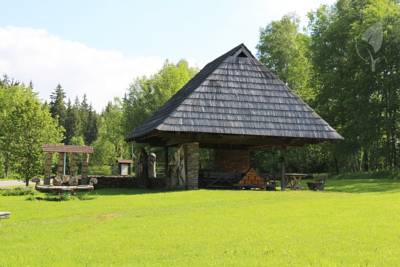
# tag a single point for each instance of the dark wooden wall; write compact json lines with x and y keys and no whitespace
{"x":232,"y":160}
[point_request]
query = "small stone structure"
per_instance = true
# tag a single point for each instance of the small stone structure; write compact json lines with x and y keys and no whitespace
{"x":63,"y":182}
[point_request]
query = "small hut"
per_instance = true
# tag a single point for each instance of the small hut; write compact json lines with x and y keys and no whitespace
{"x":233,"y":105}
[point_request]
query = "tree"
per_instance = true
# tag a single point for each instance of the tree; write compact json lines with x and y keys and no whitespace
{"x":25,"y":126}
{"x":354,"y":52}
{"x":81,"y":120}
{"x":147,"y":94}
{"x":110,"y":144}
{"x":285,"y":50}
{"x":57,"y":105}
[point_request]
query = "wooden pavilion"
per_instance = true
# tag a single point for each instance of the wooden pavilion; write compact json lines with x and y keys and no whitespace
{"x":234,"y":104}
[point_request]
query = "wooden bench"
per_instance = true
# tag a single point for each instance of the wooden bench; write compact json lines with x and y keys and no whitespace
{"x":318,"y":185}
{"x":217,"y":179}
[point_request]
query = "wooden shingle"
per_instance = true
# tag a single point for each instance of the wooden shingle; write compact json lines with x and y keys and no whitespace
{"x":237,"y":95}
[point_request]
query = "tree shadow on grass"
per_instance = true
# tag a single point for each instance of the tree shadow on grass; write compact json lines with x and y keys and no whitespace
{"x":129,"y":191}
{"x":363,"y":186}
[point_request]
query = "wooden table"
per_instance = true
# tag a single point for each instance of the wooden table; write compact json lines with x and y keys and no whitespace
{"x":293,"y":180}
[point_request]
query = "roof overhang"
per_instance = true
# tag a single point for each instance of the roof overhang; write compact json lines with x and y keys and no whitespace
{"x":212,"y":140}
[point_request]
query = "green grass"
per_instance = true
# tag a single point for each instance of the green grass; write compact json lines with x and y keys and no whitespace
{"x":353,"y":223}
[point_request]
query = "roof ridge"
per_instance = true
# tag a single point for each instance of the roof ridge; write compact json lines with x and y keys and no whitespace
{"x":185,"y":91}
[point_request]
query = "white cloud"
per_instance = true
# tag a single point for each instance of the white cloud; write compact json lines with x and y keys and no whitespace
{"x":28,"y":54}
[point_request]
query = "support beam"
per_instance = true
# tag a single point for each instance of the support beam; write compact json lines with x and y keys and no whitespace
{"x":166,"y":161}
{"x":283,"y":171}
{"x":65,"y":163}
{"x":60,"y":164}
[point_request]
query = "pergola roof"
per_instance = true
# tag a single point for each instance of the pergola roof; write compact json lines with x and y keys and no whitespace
{"x":67,"y":148}
{"x":236,"y":95}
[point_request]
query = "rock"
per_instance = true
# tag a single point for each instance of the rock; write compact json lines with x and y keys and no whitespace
{"x":57,"y":181}
{"x":92,"y":181}
{"x":73,"y":180}
{"x":35,"y":180}
{"x":5,"y":214}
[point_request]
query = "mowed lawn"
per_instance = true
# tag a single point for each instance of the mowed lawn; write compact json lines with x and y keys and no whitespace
{"x":353,"y":223}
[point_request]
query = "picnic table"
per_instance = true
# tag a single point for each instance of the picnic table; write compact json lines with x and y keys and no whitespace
{"x":293,"y":180}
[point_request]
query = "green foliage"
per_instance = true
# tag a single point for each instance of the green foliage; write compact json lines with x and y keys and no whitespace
{"x":147,"y":94}
{"x":100,"y":170}
{"x":25,"y":125}
{"x":382,"y":174}
{"x":85,"y":196}
{"x":358,"y":86}
{"x":354,"y":223}
{"x":110,"y":144}
{"x":78,"y":119}
{"x":54,"y":197}
{"x":17,"y":191}
{"x":285,"y":50}
{"x":57,"y":105}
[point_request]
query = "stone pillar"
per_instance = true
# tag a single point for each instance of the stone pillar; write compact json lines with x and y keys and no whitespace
{"x":47,"y":168}
{"x":85,"y":164}
{"x":73,"y":168}
{"x":192,"y":157}
{"x":229,"y":160}
{"x":60,"y":164}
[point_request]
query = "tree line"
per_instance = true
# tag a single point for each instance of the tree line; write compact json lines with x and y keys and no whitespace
{"x":344,"y":64}
{"x":26,"y":123}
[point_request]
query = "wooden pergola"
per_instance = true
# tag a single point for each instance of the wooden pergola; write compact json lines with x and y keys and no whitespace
{"x":233,"y":105}
{"x":63,"y":150}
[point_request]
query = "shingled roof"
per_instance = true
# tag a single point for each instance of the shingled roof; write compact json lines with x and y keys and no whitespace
{"x":236,"y":95}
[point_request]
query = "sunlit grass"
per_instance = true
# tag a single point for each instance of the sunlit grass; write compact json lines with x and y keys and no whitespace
{"x":354,"y":223}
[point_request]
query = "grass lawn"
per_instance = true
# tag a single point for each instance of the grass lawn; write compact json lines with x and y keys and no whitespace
{"x":353,"y":223}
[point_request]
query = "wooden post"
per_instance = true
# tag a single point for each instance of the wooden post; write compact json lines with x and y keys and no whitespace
{"x":283,"y":178}
{"x":166,"y":174}
{"x":65,"y":163}
{"x":47,"y":168}
{"x":166,"y":161}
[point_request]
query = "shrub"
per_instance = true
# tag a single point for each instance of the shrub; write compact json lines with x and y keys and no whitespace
{"x":17,"y":191}
{"x":85,"y":196}
{"x":51,"y":197}
{"x":100,"y":170}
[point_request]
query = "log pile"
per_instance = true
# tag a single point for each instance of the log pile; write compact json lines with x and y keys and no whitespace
{"x":252,"y":179}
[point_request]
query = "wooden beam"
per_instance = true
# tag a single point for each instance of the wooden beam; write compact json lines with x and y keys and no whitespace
{"x":67,"y":148}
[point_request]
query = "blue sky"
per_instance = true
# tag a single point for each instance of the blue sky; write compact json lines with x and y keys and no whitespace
{"x":99,"y":47}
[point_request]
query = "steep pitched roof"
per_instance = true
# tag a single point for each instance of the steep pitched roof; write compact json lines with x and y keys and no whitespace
{"x":236,"y":94}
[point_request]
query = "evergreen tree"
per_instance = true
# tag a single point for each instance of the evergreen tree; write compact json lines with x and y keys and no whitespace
{"x":57,"y":105}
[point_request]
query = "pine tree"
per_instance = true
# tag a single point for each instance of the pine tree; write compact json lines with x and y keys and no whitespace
{"x":57,"y":105}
